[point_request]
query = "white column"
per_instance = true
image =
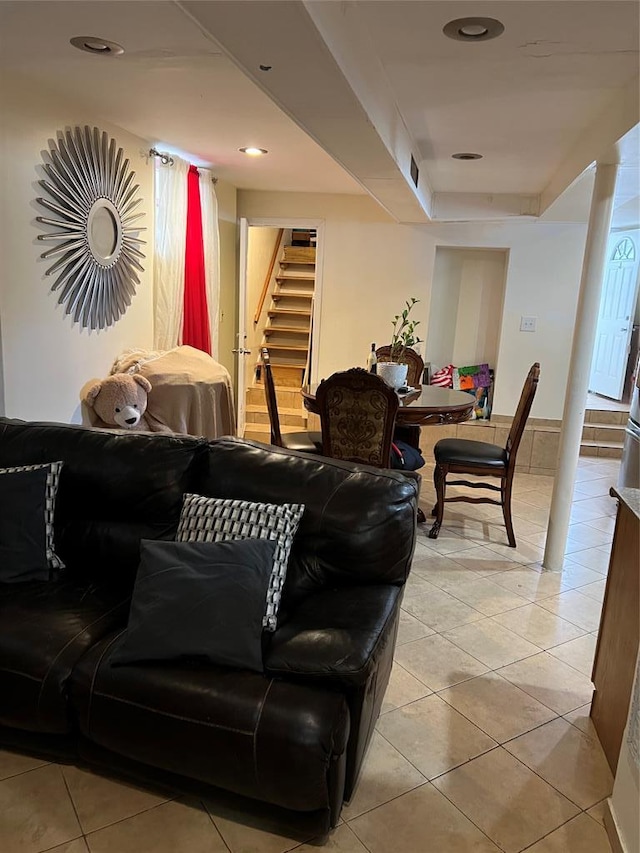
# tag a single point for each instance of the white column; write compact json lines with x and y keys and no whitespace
{"x":580,"y":365}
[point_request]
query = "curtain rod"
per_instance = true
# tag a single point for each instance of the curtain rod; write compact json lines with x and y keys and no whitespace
{"x":167,"y":160}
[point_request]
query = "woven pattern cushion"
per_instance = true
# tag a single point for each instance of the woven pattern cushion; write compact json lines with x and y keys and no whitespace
{"x":357,"y":424}
{"x":462,"y":451}
{"x":46,"y":505}
{"x":216,"y":520}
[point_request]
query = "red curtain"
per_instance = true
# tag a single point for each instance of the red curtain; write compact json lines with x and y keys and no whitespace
{"x":195,"y":327}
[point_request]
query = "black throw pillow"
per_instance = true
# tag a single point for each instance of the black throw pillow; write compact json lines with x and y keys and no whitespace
{"x":199,"y":600}
{"x":23,"y":528}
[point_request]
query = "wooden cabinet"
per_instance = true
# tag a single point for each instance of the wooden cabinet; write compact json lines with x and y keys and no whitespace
{"x":618,"y":636}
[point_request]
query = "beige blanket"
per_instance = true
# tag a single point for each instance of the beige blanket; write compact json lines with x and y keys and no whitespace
{"x":191,"y":393}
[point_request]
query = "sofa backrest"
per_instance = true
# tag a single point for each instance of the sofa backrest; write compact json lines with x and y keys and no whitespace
{"x":116,"y":488}
{"x":359,"y":525}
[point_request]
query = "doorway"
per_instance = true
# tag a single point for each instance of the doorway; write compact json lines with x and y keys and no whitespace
{"x":618,"y":319}
{"x":280,"y":289}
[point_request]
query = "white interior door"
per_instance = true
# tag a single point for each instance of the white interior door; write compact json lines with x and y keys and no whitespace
{"x":241,"y":350}
{"x":615,"y":321}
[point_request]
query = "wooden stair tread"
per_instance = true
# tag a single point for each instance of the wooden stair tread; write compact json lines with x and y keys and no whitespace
{"x":297,"y":274}
{"x":266,"y":429}
{"x":286,"y":330}
{"x":298,"y":294}
{"x":295,"y":347}
{"x":588,"y":442}
{"x":252,"y":408}
{"x":295,"y":312}
{"x":593,"y":425}
{"x":301,"y":262}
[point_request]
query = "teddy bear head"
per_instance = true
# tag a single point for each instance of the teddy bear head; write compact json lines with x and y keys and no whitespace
{"x":120,"y":400}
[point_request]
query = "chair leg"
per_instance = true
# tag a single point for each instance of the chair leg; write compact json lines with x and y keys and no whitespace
{"x":439,"y":481}
{"x":506,"y":509}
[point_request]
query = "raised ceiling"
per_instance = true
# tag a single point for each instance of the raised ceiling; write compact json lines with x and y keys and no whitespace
{"x":355,"y":89}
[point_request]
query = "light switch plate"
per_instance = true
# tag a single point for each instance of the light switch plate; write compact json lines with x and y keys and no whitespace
{"x":528,"y":324}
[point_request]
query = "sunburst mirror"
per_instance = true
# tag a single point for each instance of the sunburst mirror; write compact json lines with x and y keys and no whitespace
{"x":98,"y":249}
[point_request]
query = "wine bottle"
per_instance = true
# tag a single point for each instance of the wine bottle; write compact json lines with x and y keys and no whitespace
{"x":372,"y":360}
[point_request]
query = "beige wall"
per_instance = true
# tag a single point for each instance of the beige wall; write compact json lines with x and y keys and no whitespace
{"x":45,"y":357}
{"x":260,"y":245}
{"x":372,"y":265}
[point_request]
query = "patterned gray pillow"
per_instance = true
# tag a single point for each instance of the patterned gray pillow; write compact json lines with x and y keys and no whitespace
{"x":51,"y":488}
{"x":218,"y":519}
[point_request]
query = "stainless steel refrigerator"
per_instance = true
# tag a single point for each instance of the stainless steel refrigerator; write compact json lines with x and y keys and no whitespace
{"x":630,"y":465}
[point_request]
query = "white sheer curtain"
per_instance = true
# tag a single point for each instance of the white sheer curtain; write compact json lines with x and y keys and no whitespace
{"x":211,"y":240}
{"x":170,"y":242}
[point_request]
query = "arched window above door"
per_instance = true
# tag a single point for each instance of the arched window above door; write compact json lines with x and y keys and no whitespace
{"x":625,"y":250}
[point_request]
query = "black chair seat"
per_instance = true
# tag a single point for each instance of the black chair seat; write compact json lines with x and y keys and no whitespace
{"x":303,"y":442}
{"x":462,"y":451}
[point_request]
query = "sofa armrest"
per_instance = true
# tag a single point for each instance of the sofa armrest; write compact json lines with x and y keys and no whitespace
{"x":336,"y":635}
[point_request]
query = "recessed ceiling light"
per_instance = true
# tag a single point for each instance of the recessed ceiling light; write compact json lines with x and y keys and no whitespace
{"x":466,"y":155}
{"x":473,"y":29}
{"x":253,"y":152}
{"x":97,"y":46}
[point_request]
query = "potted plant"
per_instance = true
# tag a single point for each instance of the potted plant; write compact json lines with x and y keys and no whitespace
{"x":394,"y":370}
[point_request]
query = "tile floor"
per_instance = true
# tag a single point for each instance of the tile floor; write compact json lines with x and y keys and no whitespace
{"x":484,"y":742}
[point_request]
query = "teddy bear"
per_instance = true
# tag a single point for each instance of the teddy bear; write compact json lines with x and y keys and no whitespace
{"x":120,"y":400}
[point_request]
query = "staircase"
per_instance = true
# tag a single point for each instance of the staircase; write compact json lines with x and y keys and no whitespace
{"x":603,"y":433}
{"x":286,"y":334}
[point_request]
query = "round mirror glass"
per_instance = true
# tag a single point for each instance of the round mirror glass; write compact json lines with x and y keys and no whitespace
{"x":103,"y":230}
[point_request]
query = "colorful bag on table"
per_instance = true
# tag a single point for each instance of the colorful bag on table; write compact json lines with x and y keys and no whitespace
{"x":472,"y":377}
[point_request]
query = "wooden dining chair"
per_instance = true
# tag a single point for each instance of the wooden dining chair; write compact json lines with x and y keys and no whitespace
{"x":304,"y":442}
{"x":357,"y":413}
{"x":464,"y":456}
{"x":413,"y":361}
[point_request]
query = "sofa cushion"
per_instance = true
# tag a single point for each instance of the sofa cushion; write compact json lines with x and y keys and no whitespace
{"x":235,"y":729}
{"x":28,"y":499}
{"x":199,"y":600}
{"x":359,"y":523}
{"x":44,"y":629}
{"x":216,"y":520}
{"x":116,"y":488}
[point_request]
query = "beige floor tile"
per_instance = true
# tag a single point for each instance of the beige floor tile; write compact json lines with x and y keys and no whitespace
{"x":13,"y":763}
{"x":402,"y":689}
{"x":177,"y":825}
{"x":433,"y":735}
{"x":487,"y":597}
{"x":538,"y":515}
{"x":484,"y":562}
{"x":100,"y":801}
{"x":491,"y":643}
{"x":567,"y":758}
{"x":577,"y":653}
{"x":580,"y":717}
{"x":439,"y":610}
{"x":422,"y":821}
{"x":437,"y":662}
{"x":341,"y":840}
{"x":590,"y":536}
{"x":598,"y":487}
{"x":580,"y":835}
{"x":496,"y":706}
{"x":594,"y":558}
{"x":594,"y":590}
{"x":540,"y":627}
{"x":508,"y":802}
{"x":440,"y":571}
{"x":581,"y":512}
{"x":385,"y":775}
{"x":447,"y":542}
{"x":575,"y":607}
{"x":257,"y":827}
{"x":36,"y":811}
{"x":536,"y":498}
{"x":597,"y":812}
{"x":411,"y":628}
{"x":607,"y":523}
{"x":524,"y":553}
{"x":550,"y":681}
{"x":79,"y":845}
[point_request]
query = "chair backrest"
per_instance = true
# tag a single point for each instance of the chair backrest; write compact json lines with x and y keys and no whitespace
{"x":270,"y":394}
{"x":357,"y":413}
{"x":522,"y":412}
{"x":411,"y":359}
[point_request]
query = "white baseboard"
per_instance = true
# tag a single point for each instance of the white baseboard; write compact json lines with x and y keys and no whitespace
{"x":611,"y":827}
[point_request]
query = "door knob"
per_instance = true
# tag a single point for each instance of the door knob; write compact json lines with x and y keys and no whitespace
{"x":242,"y":351}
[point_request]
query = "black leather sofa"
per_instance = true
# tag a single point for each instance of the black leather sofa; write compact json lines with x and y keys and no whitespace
{"x":294,"y":736}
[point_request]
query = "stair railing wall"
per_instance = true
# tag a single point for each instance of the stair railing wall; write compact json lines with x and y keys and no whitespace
{"x":267,"y":280}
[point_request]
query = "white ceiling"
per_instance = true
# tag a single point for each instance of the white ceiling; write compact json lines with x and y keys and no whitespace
{"x":370,"y":82}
